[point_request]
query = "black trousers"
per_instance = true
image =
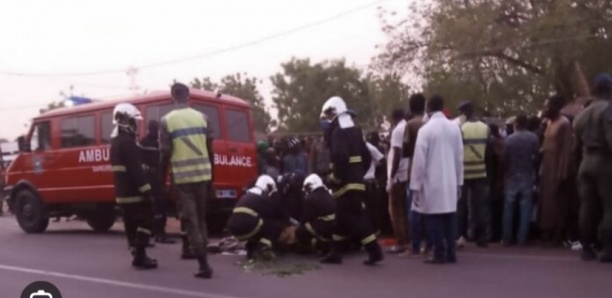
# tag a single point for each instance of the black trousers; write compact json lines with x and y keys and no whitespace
{"x":352,"y":219}
{"x":160,"y":203}
{"x":254,"y":229}
{"x":442,"y":230}
{"x":137,"y":220}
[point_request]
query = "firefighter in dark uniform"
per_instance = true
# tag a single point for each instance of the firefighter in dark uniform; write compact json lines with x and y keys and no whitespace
{"x":151,"y":158}
{"x":184,"y":150}
{"x":259,"y":218}
{"x":593,"y":128}
{"x":133,"y":192}
{"x":350,"y":159}
{"x":318,"y":215}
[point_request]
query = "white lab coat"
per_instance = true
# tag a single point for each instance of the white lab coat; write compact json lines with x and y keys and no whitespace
{"x":437,"y":169}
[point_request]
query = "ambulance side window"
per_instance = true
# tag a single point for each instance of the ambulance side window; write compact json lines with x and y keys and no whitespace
{"x":237,"y":126}
{"x":212,"y":117}
{"x":157,"y":112}
{"x":78,"y":131}
{"x":41,"y":136}
{"x":106,"y":121}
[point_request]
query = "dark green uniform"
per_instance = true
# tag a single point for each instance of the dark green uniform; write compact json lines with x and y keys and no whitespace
{"x":593,"y":128}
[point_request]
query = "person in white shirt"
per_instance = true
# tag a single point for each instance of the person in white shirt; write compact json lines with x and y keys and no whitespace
{"x":437,"y":177}
{"x":397,"y":170}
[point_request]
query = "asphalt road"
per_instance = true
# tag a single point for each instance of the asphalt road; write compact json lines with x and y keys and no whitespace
{"x":83,"y":264}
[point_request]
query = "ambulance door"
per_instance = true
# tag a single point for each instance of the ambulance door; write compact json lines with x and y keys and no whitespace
{"x":213,"y":117}
{"x":39,"y":163}
{"x":240,"y":159}
{"x":80,"y":159}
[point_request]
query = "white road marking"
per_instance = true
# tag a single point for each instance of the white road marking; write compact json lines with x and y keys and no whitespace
{"x":115,"y":283}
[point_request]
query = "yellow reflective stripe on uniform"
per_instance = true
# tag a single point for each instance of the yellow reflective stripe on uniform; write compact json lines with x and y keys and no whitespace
{"x":368,"y":239}
{"x":355,"y":159}
{"x":314,"y":233}
{"x":328,"y":217}
{"x":333,"y":178}
{"x":313,"y":242}
{"x":250,"y":235}
{"x":143,"y":230}
{"x":127,"y":200}
{"x":145,"y":188}
{"x":338,"y":238}
{"x":245,"y":210}
{"x":348,"y":187}
{"x":192,"y":175}
{"x":265,"y":242}
{"x":118,"y":169}
{"x":191,"y":162}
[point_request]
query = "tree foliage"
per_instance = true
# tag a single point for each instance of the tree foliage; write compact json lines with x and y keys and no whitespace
{"x":302,"y":88}
{"x":52,"y":106}
{"x":242,"y":86}
{"x":507,"y":55}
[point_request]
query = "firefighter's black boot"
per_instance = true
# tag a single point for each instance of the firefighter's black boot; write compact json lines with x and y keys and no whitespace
{"x":333,"y":257}
{"x":187,"y":253}
{"x":142,"y":261}
{"x":375,"y":253}
{"x":204,"y":271}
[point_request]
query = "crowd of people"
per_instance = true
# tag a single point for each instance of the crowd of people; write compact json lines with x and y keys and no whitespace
{"x":536,"y":180}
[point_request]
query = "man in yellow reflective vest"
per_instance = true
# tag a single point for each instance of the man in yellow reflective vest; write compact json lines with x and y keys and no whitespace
{"x":473,"y":205}
{"x":183,"y":134}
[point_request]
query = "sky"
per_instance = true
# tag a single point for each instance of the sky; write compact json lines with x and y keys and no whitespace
{"x":43,"y":40}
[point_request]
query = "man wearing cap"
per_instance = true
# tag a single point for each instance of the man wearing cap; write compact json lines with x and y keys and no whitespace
{"x":593,"y":128}
{"x":184,"y":147}
{"x":473,"y":206}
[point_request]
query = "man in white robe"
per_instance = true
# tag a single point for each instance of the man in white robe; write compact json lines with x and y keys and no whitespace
{"x":437,"y":177}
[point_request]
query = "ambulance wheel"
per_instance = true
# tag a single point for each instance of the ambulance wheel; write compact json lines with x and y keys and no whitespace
{"x":30,"y":213}
{"x":103,"y":219}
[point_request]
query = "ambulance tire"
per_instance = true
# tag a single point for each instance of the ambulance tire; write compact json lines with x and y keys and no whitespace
{"x":30,"y":212}
{"x":103,"y":219}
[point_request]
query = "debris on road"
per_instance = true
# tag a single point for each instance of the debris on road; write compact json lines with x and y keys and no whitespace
{"x":278,"y":267}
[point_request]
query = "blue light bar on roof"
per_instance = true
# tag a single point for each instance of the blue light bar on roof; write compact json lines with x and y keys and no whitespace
{"x":76,"y":100}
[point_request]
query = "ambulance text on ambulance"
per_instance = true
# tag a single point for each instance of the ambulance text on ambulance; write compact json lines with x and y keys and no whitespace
{"x":103,"y":155}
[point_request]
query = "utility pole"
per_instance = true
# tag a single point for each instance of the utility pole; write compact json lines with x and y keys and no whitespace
{"x":132,"y":72}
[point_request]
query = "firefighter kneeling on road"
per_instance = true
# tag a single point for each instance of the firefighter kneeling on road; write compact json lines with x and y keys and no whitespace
{"x":131,"y":187}
{"x":318,"y":215}
{"x":259,"y":218}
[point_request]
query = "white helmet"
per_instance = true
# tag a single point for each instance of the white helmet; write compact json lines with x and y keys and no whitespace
{"x":125,"y":115}
{"x":311,"y":183}
{"x":266,"y":184}
{"x":333,"y":107}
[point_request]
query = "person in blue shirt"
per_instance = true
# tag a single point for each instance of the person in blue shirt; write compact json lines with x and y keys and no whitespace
{"x":295,"y":159}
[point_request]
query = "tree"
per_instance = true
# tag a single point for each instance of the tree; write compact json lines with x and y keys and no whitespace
{"x":242,"y":86}
{"x":52,"y":106}
{"x":302,"y":88}
{"x":507,"y":55}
